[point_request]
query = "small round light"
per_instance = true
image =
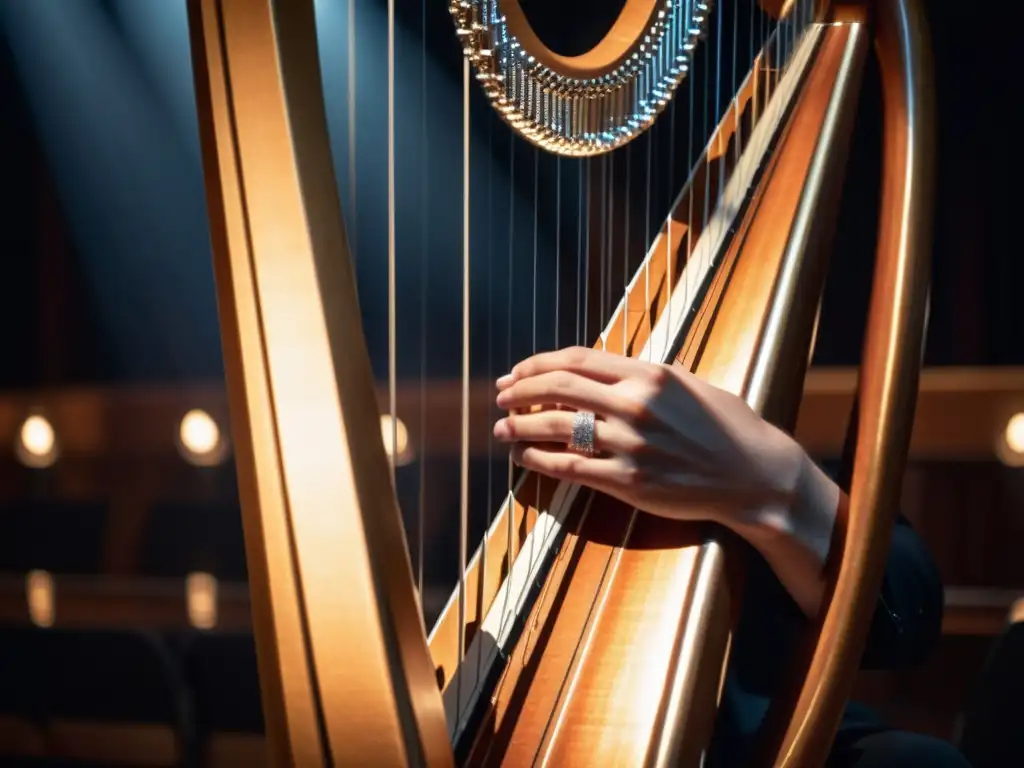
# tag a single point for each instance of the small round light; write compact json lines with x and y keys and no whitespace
{"x":200,"y":439}
{"x":39,"y":595}
{"x":1014,"y":434}
{"x":396,"y":439}
{"x":37,"y":442}
{"x":201,"y":599}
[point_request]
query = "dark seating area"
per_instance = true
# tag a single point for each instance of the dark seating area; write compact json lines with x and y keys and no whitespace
{"x":117,"y":677}
{"x":221,"y":670}
{"x":129,"y":698}
{"x":990,"y":731}
{"x":56,"y":536}
{"x":182,"y":538}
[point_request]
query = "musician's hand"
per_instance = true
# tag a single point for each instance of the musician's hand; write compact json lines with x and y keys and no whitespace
{"x":672,"y":445}
{"x":667,"y":442}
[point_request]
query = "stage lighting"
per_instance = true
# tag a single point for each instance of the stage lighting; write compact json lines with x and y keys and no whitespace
{"x":40,"y":598}
{"x":200,"y":440}
{"x":396,"y":440}
{"x":201,"y":598}
{"x":36,"y":445}
{"x":1013,"y":435}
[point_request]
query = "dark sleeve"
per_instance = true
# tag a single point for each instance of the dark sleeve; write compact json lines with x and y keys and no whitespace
{"x":908,"y":616}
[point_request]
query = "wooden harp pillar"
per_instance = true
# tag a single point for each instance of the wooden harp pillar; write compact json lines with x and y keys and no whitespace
{"x":312,"y":469}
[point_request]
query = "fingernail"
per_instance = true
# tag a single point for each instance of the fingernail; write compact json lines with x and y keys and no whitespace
{"x":501,"y":399}
{"x":501,"y":429}
{"x":506,"y":380}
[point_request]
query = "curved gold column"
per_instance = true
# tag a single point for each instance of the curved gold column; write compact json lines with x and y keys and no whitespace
{"x":345,"y":674}
{"x":888,"y":377}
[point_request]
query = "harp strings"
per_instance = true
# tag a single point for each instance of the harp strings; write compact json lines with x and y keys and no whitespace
{"x":537,"y":209}
{"x":353,"y":230}
{"x":392,"y":265}
{"x":510,"y":497}
{"x":481,"y":606}
{"x":789,"y":29}
{"x":596,"y":605}
{"x":604,"y":194}
{"x":424,"y":146}
{"x":466,"y":313}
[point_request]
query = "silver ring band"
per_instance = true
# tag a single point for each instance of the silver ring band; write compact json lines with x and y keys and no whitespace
{"x":582,"y":440}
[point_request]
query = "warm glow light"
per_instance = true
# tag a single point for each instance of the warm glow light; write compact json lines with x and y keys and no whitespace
{"x":37,"y":442}
{"x":1016,"y":615}
{"x":201,"y":597}
{"x":199,"y":432}
{"x":396,"y":439}
{"x":39,"y":596}
{"x":1014,"y":434}
{"x":200,"y":439}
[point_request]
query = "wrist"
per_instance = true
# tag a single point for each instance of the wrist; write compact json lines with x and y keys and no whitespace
{"x":805,"y":515}
{"x":815,"y":508}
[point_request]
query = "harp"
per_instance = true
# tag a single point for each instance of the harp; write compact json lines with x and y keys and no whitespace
{"x":578,"y":632}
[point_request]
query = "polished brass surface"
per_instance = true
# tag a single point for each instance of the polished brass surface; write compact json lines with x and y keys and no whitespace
{"x":344,"y":667}
{"x":888,"y":379}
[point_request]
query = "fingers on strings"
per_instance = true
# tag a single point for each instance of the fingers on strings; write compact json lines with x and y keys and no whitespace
{"x":582,"y":361}
{"x":556,"y":427}
{"x":595,"y":472}
{"x":564,"y":388}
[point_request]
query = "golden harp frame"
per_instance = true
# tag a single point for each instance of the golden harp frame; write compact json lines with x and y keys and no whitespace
{"x":346,"y":674}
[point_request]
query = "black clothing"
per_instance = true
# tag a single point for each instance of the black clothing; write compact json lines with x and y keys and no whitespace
{"x":906,"y":625}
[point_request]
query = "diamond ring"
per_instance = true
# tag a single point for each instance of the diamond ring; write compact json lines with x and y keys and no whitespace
{"x":582,"y":440}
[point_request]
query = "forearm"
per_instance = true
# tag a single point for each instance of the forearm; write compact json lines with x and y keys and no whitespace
{"x":796,"y":541}
{"x":794,"y":538}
